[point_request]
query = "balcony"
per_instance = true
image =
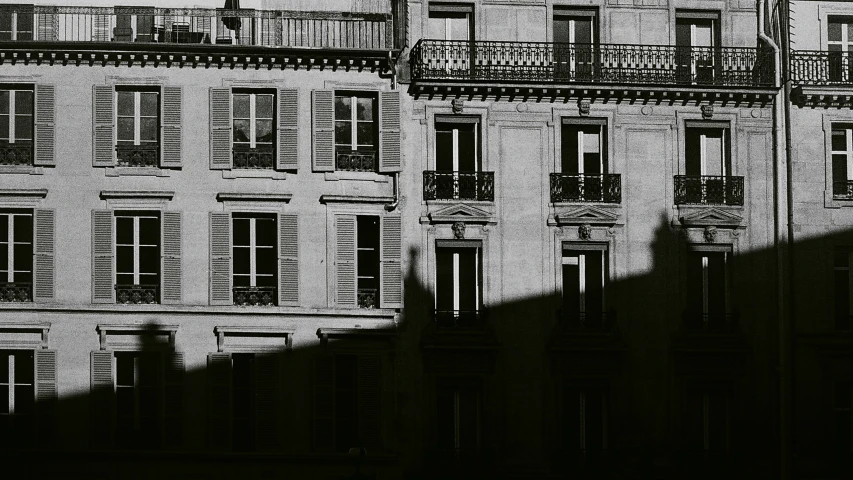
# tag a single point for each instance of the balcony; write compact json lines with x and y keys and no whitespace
{"x":586,"y":188}
{"x":18,"y":153}
{"x":144,"y":155}
{"x":16,"y":292}
{"x":459,"y":319}
{"x":816,"y":68}
{"x":355,"y":161}
{"x":560,"y":63}
{"x":254,"y":296}
{"x":708,"y":190}
{"x":137,"y":294}
{"x":260,"y":157}
{"x":698,"y":322}
{"x":455,"y":185}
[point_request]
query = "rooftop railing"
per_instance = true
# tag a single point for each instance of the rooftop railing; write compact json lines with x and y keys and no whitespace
{"x":271,"y":28}
{"x":560,"y":63}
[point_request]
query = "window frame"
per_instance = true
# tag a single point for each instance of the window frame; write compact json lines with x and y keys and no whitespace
{"x":584,"y":386}
{"x":253,"y":119}
{"x":477,"y":246}
{"x":252,"y":247}
{"x":456,"y":384}
{"x":706,"y":389}
{"x":478,"y":141}
{"x":138,"y":91}
{"x":843,"y":320}
{"x":377,"y":267}
{"x":10,"y":243}
{"x":705,"y":251}
{"x":15,"y":14}
{"x":136,"y":215}
{"x":727,"y":163}
{"x":449,"y":11}
{"x":135,"y":438}
{"x":570,"y":123}
{"x":604,"y":248}
{"x":12,"y":386}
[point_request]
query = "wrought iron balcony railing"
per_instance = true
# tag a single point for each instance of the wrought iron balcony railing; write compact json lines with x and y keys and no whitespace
{"x":586,"y":187}
{"x":260,"y":157}
{"x":842,"y":190}
{"x":143,"y":155}
{"x":254,"y":296}
{"x":814,"y":67}
{"x":538,"y":62}
{"x":698,"y":322}
{"x":586,"y":321}
{"x":366,"y":298}
{"x":18,"y":153}
{"x":459,"y":319}
{"x":137,"y":294}
{"x":16,"y":292}
{"x":272,"y":28}
{"x":355,"y":161}
{"x":454,"y":185}
{"x":708,"y":190}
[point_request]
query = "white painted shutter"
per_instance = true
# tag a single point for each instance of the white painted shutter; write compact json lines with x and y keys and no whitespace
{"x":220,"y":259}
{"x":45,"y":127}
{"x":171,"y":258}
{"x":345,"y":278}
{"x":170,"y":127}
{"x":220,"y":128}
{"x":103,"y":133}
{"x":323,"y":130}
{"x":46,"y":397}
{"x":44,"y":278}
{"x":288,"y":259}
{"x":103,"y":259}
{"x":391,"y":295}
{"x":389,"y":132}
{"x":288,"y":134}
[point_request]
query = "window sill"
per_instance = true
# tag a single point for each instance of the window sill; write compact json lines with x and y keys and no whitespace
{"x":830,"y":201}
{"x":357,"y":176}
{"x":136,"y":171}
{"x":246,"y":173}
{"x":21,"y":169}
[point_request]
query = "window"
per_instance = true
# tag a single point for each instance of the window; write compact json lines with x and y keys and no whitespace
{"x":708,"y":178}
{"x":707,"y":420}
{"x":584,"y":415}
{"x":367,"y":261}
{"x":459,"y":415}
{"x":243,"y":399}
{"x":17,"y":396}
{"x":584,"y":278}
{"x":843,"y":420}
{"x":584,"y":171}
{"x":16,"y":255}
{"x":255,"y":253}
{"x":253,"y":127}
{"x":575,"y":35}
{"x":451,"y":21}
{"x":356,"y":135}
{"x":458,"y":174}
{"x":138,"y":396}
{"x":456,"y":147}
{"x":16,"y":126}
{"x":839,"y":43}
{"x":138,"y":125}
{"x":842,"y":161}
{"x":458,"y":283}
{"x":137,"y":257}
{"x":697,"y":34}
{"x":707,"y":291}
{"x":841,"y":282}
{"x":707,"y":152}
{"x":16,"y":23}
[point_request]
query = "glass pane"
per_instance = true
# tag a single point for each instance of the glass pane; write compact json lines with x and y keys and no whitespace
{"x":149,"y":260}
{"x":4,"y":228}
{"x":241,"y":231}
{"x":343,"y":133}
{"x":4,"y":400}
{"x":834,"y":32}
{"x":264,"y":130}
{"x":124,"y":103}
{"x":265,"y":232}
{"x":24,"y":102}
{"x":714,"y":162}
{"x":24,"y":127}
{"x":24,"y":399}
{"x":345,"y":369}
{"x":24,"y":277}
{"x":839,"y":168}
{"x":124,"y":278}
{"x":148,"y":104}
{"x":437,"y":27}
{"x":241,"y":106}
{"x":459,"y":28}
{"x":148,"y":129}
{"x":4,"y":102}
{"x":365,"y":109}
{"x":149,"y":231}
{"x":365,"y":133}
{"x":124,"y":230}
{"x":23,"y":260}
{"x":839,"y":140}
{"x":124,"y":259}
{"x":147,"y":370}
{"x":703,"y":35}
{"x":124,"y":370}
{"x":834,"y":47}
{"x":343,"y":108}
{"x":265,"y":280}
{"x":241,"y":131}
{"x":264,"y":106}
{"x":842,"y":257}
{"x":267,"y":259}
{"x":591,"y":141}
{"x":125,"y":128}
{"x":23,"y":228}
{"x":241,"y":280}
{"x":4,"y":370}
{"x":241,"y":261}
{"x":24,"y":367}
{"x":4,"y":127}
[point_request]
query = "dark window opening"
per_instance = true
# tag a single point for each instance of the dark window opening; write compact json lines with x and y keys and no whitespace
{"x":17,"y":398}
{"x":255,"y":261}
{"x":138,"y":400}
{"x":367,"y":261}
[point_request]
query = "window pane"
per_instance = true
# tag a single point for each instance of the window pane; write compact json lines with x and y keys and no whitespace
{"x":24,"y":399}
{"x":148,"y":129}
{"x":345,"y":369}
{"x":241,"y":131}
{"x":24,"y":127}
{"x":444,"y":279}
{"x":4,"y":228}
{"x":241,"y":231}
{"x":834,"y":33}
{"x":266,"y":258}
{"x":343,"y":133}
{"x":124,"y":103}
{"x":4,"y":102}
{"x":4,"y":127}
{"x":459,"y":28}
{"x":24,"y":277}
{"x":149,"y":260}
{"x":265,"y":232}
{"x":24,"y":367}
{"x":149,"y":104}
{"x":23,"y":257}
{"x":468,"y":289}
{"x":124,"y":231}
{"x":23,"y":228}
{"x":265,"y":281}
{"x":4,"y":402}
{"x":343,"y":108}
{"x":842,"y":257}
{"x":4,"y":370}
{"x":365,"y":133}
{"x":264,"y":106}
{"x":241,"y":281}
{"x":124,"y":370}
{"x":149,"y":231}
{"x":365,"y":109}
{"x":124,"y":278}
{"x":241,"y":106}
{"x":124,"y":259}
{"x":125,"y":128}
{"x":264,"y":130}
{"x":24,"y":102}
{"x":839,"y":140}
{"x":467,"y":149}
{"x":839,"y":168}
{"x":241,"y":261}
{"x":147,"y":370}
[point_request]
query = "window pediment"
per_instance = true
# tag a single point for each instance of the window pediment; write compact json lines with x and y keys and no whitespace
{"x":710,"y":216}
{"x":461,"y":212}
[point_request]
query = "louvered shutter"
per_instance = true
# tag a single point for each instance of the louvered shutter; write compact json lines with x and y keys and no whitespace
{"x":103,"y":118}
{"x":45,"y":361}
{"x":171,"y":258}
{"x":103,"y":290}
{"x":101,"y":400}
{"x":288,"y":134}
{"x":323,"y":130}
{"x":345,"y":277}
{"x":219,"y":400}
{"x":370,"y":400}
{"x":170,"y":127}
{"x":324,"y":403}
{"x":45,"y":128}
{"x":392,"y":276}
{"x":173,"y":400}
{"x":220,"y":259}
{"x":389,"y":132}
{"x":267,"y":385}
{"x":220,"y":128}
{"x":288,"y":259}
{"x":44,"y":255}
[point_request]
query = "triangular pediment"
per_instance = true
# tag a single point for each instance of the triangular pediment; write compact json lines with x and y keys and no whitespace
{"x":460,"y":212}
{"x":592,"y":215}
{"x":711,"y":216}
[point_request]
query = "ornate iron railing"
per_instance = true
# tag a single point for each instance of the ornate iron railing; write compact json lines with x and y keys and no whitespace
{"x":490,"y":61}
{"x":586,"y":187}
{"x":367,"y":298}
{"x":842,"y":190}
{"x":18,"y":153}
{"x":144,"y":155}
{"x":355,"y":161}
{"x":708,"y":190}
{"x":16,"y":292}
{"x":254,"y":296}
{"x":136,"y":294}
{"x":814,"y":67}
{"x":588,"y":321}
{"x":460,"y":319}
{"x":261,"y":157}
{"x":450,"y":185}
{"x":698,"y":322}
{"x":273,"y":28}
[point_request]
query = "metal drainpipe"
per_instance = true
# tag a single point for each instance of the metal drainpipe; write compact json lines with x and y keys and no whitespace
{"x":393,"y":205}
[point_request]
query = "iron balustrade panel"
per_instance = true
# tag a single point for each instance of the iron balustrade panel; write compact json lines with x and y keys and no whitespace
{"x":144,"y":155}
{"x":813,"y":67}
{"x":586,"y":187}
{"x":698,"y":322}
{"x":274,"y":28}
{"x":842,"y":190}
{"x":459,"y":319}
{"x":367,"y":298}
{"x":18,"y":153}
{"x":16,"y":292}
{"x":355,"y":161}
{"x":262,"y":157}
{"x":452,"y":185}
{"x":254,"y":296}
{"x":137,"y":294}
{"x":708,"y":190}
{"x":586,"y":321}
{"x":490,"y":61}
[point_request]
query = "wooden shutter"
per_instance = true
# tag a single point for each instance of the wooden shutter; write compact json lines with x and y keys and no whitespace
{"x":44,"y":255}
{"x":171,"y":258}
{"x":323,"y":133}
{"x":220,"y":128}
{"x":389,"y":132}
{"x":45,"y":127}
{"x":288,"y":259}
{"x":345,"y":278}
{"x":220,"y":259}
{"x":45,"y":361}
{"x":170,"y":127}
{"x":392,"y":276}
{"x":324,"y":403}
{"x":173,"y":400}
{"x":103,"y":133}
{"x":267,"y":403}
{"x":219,"y":400}
{"x":370,"y":400}
{"x":288,"y":134}
{"x":101,"y":400}
{"x":103,"y":290}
